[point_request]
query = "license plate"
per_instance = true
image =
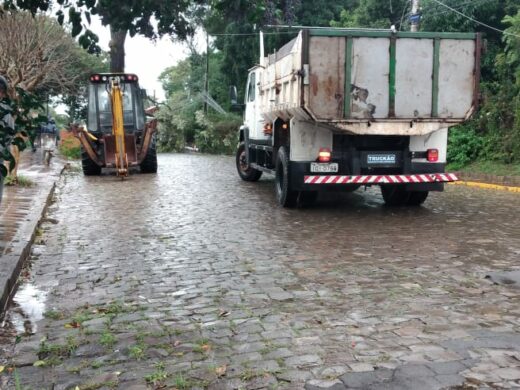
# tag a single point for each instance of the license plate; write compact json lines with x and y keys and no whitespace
{"x":324,"y":167}
{"x":382,"y":159}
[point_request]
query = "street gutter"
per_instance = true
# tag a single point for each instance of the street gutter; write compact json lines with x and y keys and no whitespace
{"x":19,"y":248}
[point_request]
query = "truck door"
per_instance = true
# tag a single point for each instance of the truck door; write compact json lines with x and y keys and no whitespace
{"x":252,"y":118}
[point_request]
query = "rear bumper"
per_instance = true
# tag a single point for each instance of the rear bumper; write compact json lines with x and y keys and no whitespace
{"x":381,"y":179}
{"x":417,"y":177}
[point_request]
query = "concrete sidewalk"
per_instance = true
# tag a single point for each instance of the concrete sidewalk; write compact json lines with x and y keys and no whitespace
{"x":21,"y":210}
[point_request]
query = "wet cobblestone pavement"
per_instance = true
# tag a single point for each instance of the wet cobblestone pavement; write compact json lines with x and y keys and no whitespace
{"x":192,"y":278}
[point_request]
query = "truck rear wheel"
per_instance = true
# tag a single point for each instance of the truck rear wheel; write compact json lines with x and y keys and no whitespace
{"x":307,"y":198}
{"x":394,"y":195}
{"x":244,"y":170}
{"x":284,"y":194}
{"x":417,"y":198}
{"x":149,"y":163}
{"x":90,"y":168}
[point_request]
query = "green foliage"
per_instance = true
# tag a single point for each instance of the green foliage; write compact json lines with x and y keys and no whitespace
{"x":25,"y":110}
{"x":373,"y":14}
{"x":173,"y":17}
{"x":217,"y":133}
{"x":181,"y":120}
{"x":107,"y":339}
{"x":70,"y":150}
{"x":464,"y":145}
{"x":20,"y":181}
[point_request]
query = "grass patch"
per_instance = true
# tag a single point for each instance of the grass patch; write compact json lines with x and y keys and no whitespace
{"x":54,"y":315}
{"x":203,"y":346}
{"x":158,"y":376}
{"x":180,"y":382}
{"x":53,"y":354}
{"x":137,"y":351}
{"x":70,"y":147}
{"x":107,"y":339}
{"x":488,"y":167}
{"x":249,"y":374}
{"x":19,"y":181}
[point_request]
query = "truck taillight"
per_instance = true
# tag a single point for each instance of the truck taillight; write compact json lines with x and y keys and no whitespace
{"x":324,"y":155}
{"x":432,"y":155}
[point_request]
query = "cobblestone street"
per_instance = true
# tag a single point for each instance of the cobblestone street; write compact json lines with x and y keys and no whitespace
{"x":192,"y":278}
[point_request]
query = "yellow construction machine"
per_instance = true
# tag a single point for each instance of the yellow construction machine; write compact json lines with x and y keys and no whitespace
{"x":118,"y":134}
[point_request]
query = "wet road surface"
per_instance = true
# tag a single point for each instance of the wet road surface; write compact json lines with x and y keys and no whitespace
{"x":192,"y":278}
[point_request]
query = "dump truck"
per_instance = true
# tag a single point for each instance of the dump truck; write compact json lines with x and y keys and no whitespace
{"x":336,"y":109}
{"x":118,"y":134}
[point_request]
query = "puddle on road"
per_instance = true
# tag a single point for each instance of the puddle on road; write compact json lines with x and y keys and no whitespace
{"x":27,"y":308}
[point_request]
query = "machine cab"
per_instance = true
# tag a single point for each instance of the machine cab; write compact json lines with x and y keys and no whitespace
{"x":99,"y":103}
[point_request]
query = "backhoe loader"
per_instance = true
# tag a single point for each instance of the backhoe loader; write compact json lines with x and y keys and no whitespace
{"x":117,"y":135}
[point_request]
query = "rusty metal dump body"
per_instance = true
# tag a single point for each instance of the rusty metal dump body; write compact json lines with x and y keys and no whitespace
{"x":373,"y":82}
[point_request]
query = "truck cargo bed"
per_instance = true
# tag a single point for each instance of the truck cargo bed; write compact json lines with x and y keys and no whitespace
{"x":374,"y":82}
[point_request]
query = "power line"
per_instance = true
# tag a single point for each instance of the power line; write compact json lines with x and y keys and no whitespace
{"x":252,"y":34}
{"x":439,"y":11}
{"x":476,"y":21}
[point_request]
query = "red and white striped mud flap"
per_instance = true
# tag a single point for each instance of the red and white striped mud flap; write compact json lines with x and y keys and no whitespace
{"x":381,"y":179}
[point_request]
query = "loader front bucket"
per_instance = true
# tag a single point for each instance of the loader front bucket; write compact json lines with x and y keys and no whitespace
{"x":111,"y":151}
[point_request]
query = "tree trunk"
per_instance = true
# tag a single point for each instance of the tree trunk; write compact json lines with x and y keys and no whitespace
{"x":117,"y":50}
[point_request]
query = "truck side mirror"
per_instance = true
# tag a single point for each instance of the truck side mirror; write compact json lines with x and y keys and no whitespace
{"x":233,"y":95}
{"x":234,"y":99}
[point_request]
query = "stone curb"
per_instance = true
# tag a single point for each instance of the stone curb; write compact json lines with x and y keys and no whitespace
{"x":20,"y":246}
{"x":490,"y":179}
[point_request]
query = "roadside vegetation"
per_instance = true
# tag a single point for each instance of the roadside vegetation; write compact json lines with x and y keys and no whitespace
{"x":69,"y":146}
{"x":489,"y":142}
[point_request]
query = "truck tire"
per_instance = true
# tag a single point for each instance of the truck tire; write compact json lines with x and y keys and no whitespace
{"x":284,"y":194}
{"x":417,"y":198}
{"x":90,"y":168}
{"x":307,"y":198}
{"x":245,"y":172}
{"x":149,"y":163}
{"x":395,"y":195}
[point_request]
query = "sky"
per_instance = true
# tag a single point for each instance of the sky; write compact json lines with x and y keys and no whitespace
{"x":145,"y":58}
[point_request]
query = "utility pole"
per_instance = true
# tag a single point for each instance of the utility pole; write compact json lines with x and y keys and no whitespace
{"x":206,"y":79}
{"x":415,"y":17}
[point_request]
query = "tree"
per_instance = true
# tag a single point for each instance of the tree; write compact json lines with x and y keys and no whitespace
{"x":39,"y":56}
{"x":151,"y":18}
{"x":40,"y":59}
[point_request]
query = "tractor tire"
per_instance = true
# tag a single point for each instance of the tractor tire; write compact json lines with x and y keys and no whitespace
{"x":395,"y":195}
{"x":284,"y":194}
{"x":245,"y":172}
{"x":417,"y":198}
{"x":149,"y":163}
{"x":90,"y":168}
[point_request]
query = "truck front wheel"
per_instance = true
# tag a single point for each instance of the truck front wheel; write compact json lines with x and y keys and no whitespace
{"x":284,"y":194}
{"x":244,"y":170}
{"x":149,"y":163}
